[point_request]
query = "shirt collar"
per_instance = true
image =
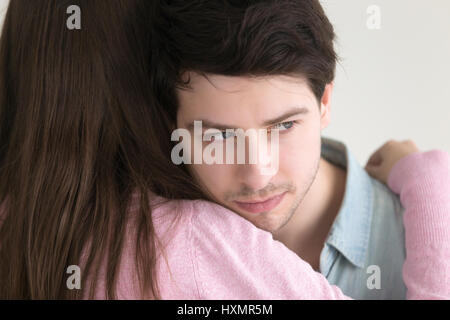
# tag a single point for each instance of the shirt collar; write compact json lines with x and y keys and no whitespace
{"x":350,"y":231}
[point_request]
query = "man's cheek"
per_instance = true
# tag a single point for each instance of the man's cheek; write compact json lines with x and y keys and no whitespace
{"x":295,"y":167}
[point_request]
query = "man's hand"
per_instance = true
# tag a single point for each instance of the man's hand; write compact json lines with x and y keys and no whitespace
{"x":383,"y":160}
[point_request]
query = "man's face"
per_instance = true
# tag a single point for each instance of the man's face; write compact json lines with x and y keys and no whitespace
{"x":252,"y":103}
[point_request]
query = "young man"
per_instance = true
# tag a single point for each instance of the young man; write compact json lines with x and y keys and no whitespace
{"x":270,"y":65}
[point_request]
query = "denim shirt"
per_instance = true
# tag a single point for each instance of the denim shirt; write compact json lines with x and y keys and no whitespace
{"x":365,"y":248}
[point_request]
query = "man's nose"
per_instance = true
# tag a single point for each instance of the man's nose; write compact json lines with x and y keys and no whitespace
{"x":250,"y":176}
{"x":257,"y":171}
{"x":256,"y":176}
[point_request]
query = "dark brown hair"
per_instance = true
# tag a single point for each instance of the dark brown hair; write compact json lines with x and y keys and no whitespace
{"x":243,"y":38}
{"x":79,"y":133}
{"x":81,"y":129}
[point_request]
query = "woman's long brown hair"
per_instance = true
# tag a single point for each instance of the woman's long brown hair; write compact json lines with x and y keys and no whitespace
{"x":80,"y":131}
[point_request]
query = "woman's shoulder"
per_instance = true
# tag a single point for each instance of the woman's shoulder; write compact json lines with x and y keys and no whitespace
{"x":203,"y":242}
{"x":208,"y":227}
{"x":198,"y":215}
{"x":215,"y":224}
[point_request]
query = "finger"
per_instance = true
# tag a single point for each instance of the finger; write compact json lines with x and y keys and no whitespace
{"x":371,"y":170}
{"x":375,"y":159}
{"x":377,"y":156}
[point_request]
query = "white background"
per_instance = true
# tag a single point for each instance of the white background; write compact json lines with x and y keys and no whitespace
{"x":393,"y":82}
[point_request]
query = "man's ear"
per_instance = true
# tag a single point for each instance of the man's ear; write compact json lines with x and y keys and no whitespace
{"x":325,"y":106}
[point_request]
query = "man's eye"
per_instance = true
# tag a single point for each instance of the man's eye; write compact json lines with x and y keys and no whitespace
{"x":223,"y":135}
{"x":284,"y":126}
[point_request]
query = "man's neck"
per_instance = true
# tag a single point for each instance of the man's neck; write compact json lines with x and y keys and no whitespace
{"x":306,"y":232}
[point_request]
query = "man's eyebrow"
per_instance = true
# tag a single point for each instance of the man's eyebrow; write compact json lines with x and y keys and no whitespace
{"x":297,"y":110}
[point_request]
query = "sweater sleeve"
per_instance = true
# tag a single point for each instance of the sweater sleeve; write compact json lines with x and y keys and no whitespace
{"x":236,"y":260}
{"x":423,"y":182}
{"x":233,"y":259}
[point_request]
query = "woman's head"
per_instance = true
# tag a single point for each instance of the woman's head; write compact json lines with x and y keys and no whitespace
{"x":78,"y":135}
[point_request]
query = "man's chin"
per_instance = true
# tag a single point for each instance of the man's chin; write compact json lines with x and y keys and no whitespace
{"x":270,"y":221}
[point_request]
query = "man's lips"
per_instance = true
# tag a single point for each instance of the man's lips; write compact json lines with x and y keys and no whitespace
{"x":261,"y":206}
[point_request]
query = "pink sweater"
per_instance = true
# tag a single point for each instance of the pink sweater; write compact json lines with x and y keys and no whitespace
{"x":215,"y":254}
